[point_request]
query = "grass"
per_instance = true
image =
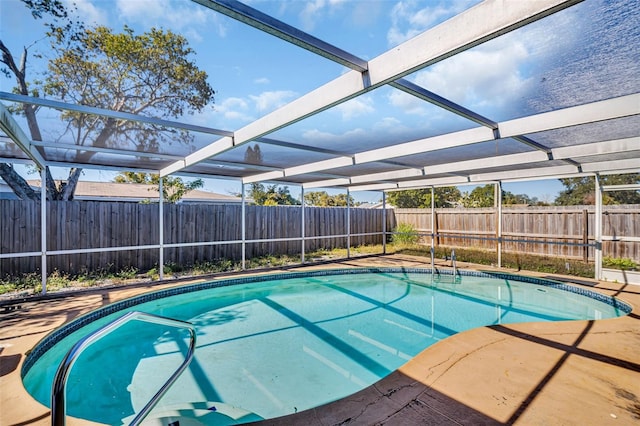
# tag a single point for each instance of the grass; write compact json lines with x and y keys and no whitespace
{"x":57,"y":280}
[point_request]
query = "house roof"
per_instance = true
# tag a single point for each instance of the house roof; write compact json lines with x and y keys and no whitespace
{"x":111,"y":191}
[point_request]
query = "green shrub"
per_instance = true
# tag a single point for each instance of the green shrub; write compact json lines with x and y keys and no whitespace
{"x":623,"y":263}
{"x":128,"y":273}
{"x":405,"y":234}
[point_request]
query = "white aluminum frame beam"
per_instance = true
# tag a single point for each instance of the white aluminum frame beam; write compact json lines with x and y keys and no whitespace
{"x":239,"y":165}
{"x":332,"y":163}
{"x":16,"y":161}
{"x":426,"y":95}
{"x":221,"y":145}
{"x":116,"y":151}
{"x":391,"y":175}
{"x":374,"y":187}
{"x":486,"y":163}
{"x":609,"y":109}
{"x":475,"y":26}
{"x":119,"y":115}
{"x":327,"y":183}
{"x":64,"y":164}
{"x":628,"y":165}
{"x":9,"y":126}
{"x":524,"y":173}
{"x":596,"y":148}
{"x":623,"y":187}
{"x":443,"y":181}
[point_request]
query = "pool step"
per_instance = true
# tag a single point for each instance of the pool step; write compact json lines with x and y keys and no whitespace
{"x":447,"y":279}
{"x":197,"y":414}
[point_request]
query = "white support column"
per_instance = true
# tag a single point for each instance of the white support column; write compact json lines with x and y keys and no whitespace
{"x":498,"y":204}
{"x":244,"y":228}
{"x":384,"y":222}
{"x":161,"y":228}
{"x":302,"y":225}
{"x":348,"y":226}
{"x":433,"y":235}
{"x":43,"y":227}
{"x":598,"y":228}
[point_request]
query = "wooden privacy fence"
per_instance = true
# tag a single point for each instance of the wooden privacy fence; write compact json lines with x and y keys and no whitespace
{"x":216,"y":232}
{"x":77,"y":225}
{"x":567,"y":232}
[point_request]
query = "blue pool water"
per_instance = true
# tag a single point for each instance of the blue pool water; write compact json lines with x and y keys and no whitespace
{"x":271,"y":347}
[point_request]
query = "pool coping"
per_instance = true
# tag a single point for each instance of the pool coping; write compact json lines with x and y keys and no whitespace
{"x":428,"y":386}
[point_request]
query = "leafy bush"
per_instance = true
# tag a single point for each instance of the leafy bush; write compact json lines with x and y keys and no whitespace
{"x":405,"y":234}
{"x":127,"y":273}
{"x":623,"y":263}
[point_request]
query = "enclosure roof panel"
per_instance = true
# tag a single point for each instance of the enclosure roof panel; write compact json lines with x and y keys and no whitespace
{"x":493,"y":91}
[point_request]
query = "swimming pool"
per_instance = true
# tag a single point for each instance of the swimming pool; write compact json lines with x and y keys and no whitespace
{"x":273,"y":345}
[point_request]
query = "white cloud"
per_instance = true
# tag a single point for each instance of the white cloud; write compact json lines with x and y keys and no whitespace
{"x":310,"y":13}
{"x":140,"y":9}
{"x":316,"y":135}
{"x":356,"y":107}
{"x":315,"y":10}
{"x":477,"y":78}
{"x":268,"y":101}
{"x":236,"y":109}
{"x":364,"y":13}
{"x":261,"y":80}
{"x":389,"y":125}
{"x":177,"y":15}
{"x":409,"y":18}
{"x":408,"y":103}
{"x":88,"y":12}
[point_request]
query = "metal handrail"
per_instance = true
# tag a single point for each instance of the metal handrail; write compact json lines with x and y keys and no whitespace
{"x":58,"y":401}
{"x":453,"y":262}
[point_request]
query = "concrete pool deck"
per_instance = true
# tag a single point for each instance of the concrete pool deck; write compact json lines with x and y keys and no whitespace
{"x":566,"y":373}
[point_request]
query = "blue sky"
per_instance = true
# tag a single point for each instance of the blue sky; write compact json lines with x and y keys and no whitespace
{"x":253,"y":74}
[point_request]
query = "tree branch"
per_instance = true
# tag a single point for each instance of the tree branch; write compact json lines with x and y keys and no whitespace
{"x":19,"y":186}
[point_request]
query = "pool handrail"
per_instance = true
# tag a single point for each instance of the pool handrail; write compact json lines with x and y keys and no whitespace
{"x":58,"y":400}
{"x":453,"y":262}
